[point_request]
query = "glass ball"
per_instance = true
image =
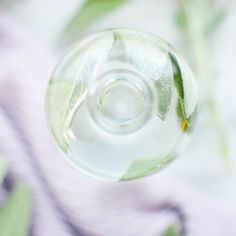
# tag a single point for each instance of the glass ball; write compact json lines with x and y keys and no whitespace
{"x":121,"y":104}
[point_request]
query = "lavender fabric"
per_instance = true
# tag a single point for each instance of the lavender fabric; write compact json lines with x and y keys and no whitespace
{"x":64,"y":201}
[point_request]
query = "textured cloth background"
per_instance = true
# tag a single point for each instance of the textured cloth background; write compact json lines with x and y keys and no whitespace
{"x":65,"y":201}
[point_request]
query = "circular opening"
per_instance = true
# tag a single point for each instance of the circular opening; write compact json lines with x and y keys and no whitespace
{"x":120,"y":102}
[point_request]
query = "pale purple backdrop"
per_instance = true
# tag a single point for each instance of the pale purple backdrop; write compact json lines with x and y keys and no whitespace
{"x":64,"y":201}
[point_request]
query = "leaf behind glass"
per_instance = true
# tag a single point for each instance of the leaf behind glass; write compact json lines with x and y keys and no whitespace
{"x":90,"y":12}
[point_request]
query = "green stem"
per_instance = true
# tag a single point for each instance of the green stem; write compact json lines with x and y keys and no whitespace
{"x":195,"y":28}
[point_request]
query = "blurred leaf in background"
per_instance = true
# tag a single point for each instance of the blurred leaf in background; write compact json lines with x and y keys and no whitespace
{"x":3,"y":169}
{"x":90,"y":12}
{"x":15,"y":214}
{"x":171,"y":231}
{"x":209,"y":22}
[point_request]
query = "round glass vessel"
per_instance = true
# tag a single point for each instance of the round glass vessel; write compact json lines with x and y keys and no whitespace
{"x":121,"y":104}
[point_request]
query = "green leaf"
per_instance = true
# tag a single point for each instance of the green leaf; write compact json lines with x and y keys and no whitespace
{"x":215,"y":21}
{"x":171,"y":231}
{"x":192,"y":119}
{"x":183,"y":121}
{"x":180,"y":19}
{"x":178,"y":81}
{"x":3,"y":169}
{"x":119,"y":51}
{"x":58,"y":93}
{"x":144,"y":167}
{"x":15,"y":215}
{"x":186,"y":122}
{"x":164,"y":93}
{"x":73,"y":99}
{"x":90,"y":12}
{"x":139,"y":169}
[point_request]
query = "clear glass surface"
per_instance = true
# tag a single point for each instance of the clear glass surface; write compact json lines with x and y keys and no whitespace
{"x":121,"y":104}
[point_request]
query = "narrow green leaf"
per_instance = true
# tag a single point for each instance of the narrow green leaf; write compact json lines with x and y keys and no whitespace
{"x":58,"y":99}
{"x":186,"y":122}
{"x":139,"y":169}
{"x":215,"y":21}
{"x":164,"y":93}
{"x":15,"y":215}
{"x":3,"y":169}
{"x":144,"y":167}
{"x":178,"y":81}
{"x":118,"y":51}
{"x":90,"y":12}
{"x":192,"y":119}
{"x":171,"y":231}
{"x":180,"y":19}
